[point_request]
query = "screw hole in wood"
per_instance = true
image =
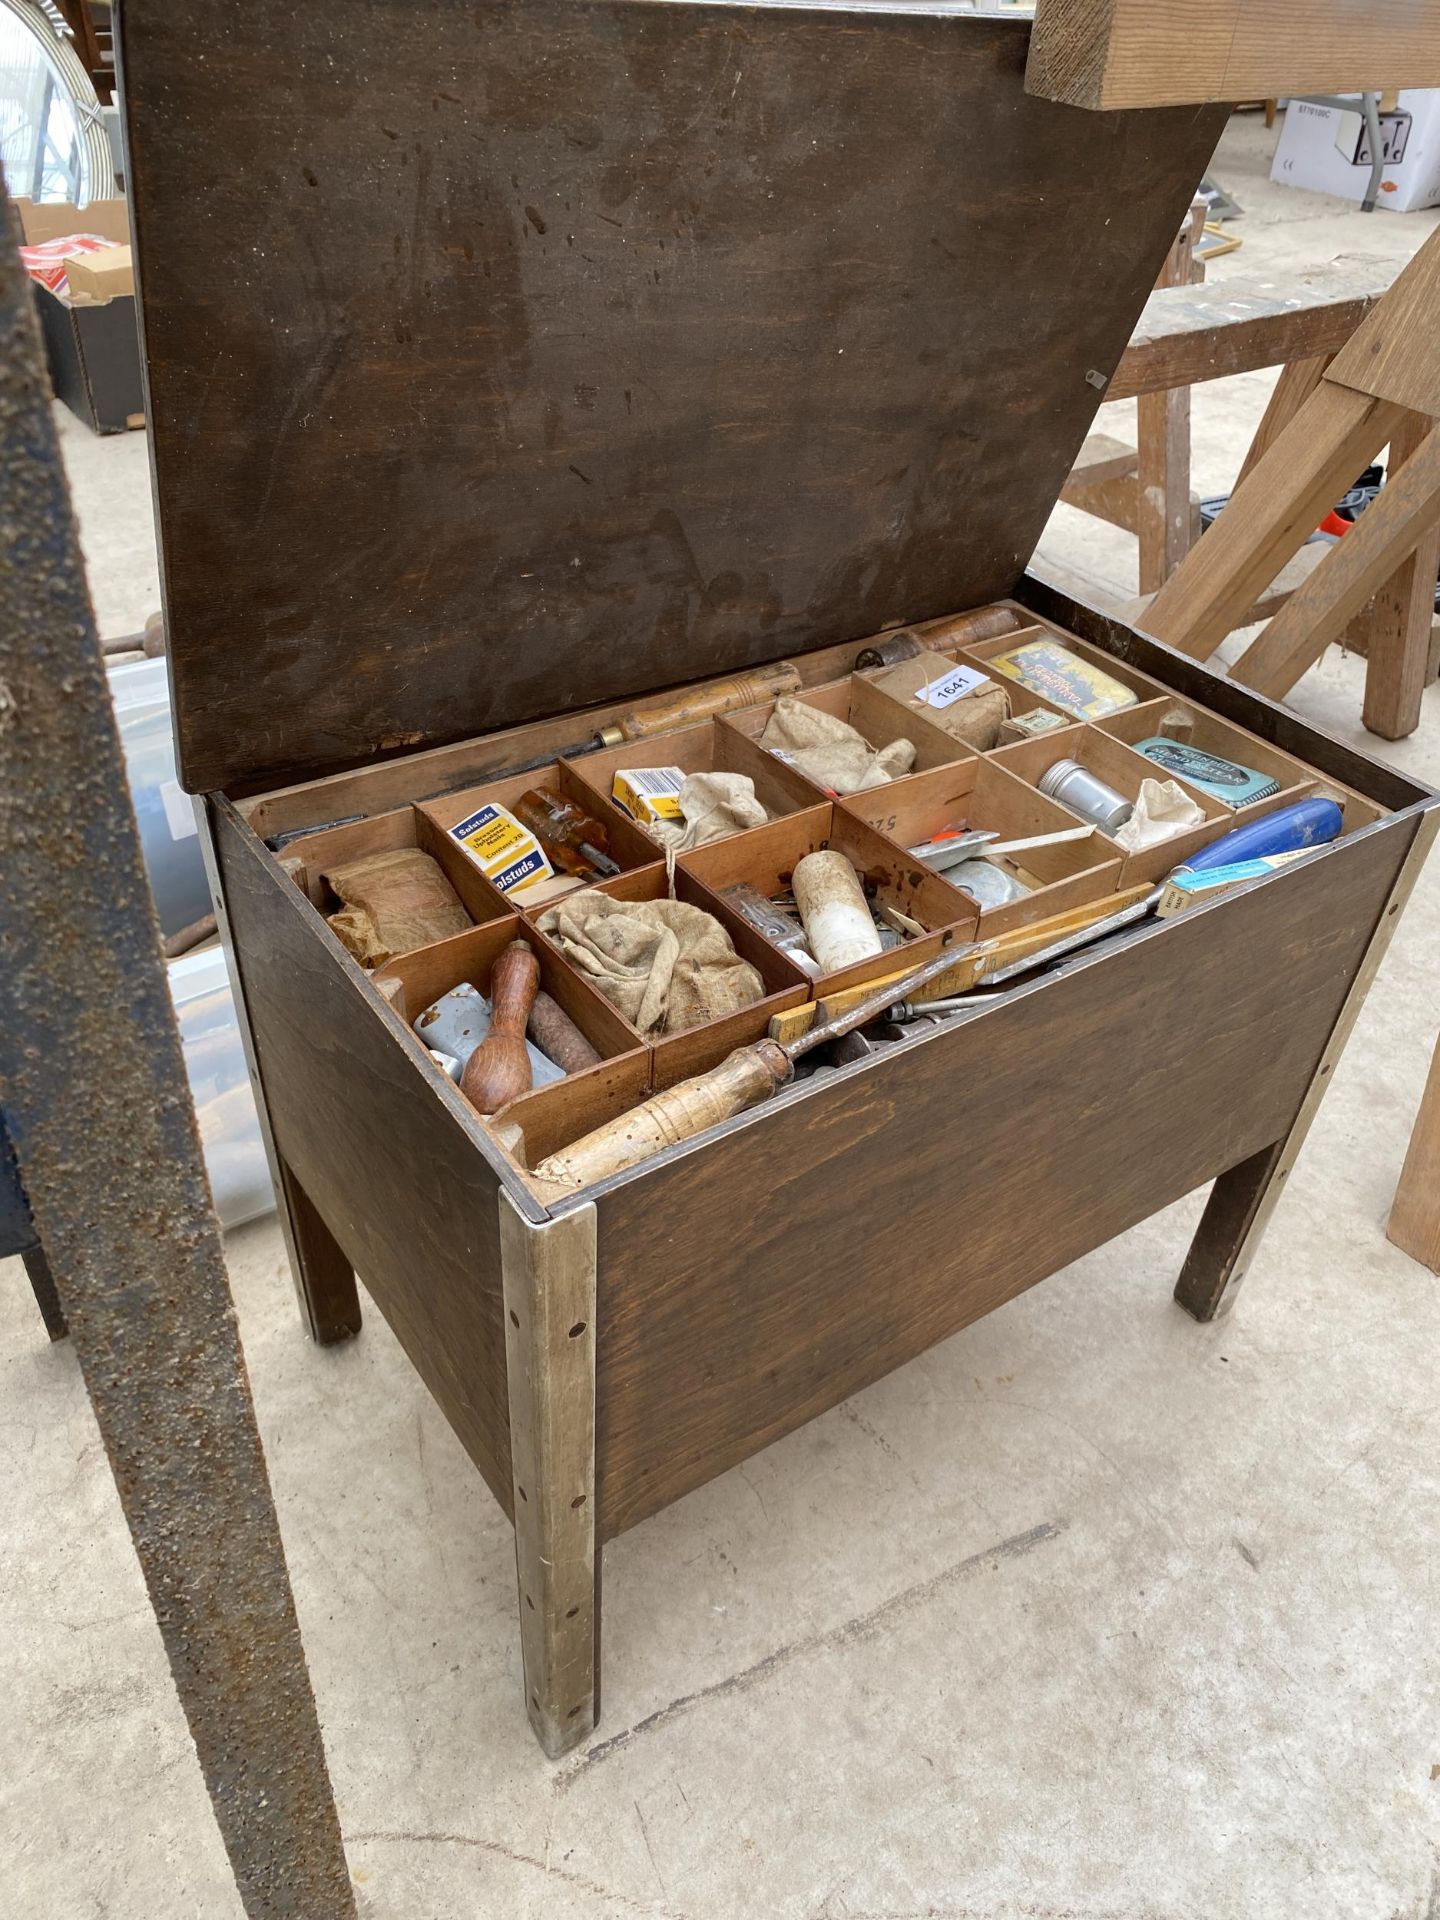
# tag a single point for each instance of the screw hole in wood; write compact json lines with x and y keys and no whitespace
{"x":577,"y":1329}
{"x":578,"y":1501}
{"x":514,"y":1318}
{"x":570,"y":1612}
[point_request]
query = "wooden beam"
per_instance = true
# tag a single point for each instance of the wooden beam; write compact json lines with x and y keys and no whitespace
{"x":1167,"y":520}
{"x":1102,"y":458}
{"x":1291,"y":577}
{"x":1161,"y":53}
{"x":1114,"y":501}
{"x":1414,"y":1224}
{"x":1102,"y":481}
{"x":1396,"y":630}
{"x":1294,"y":387}
{"x":1190,"y":334}
{"x":1406,"y":509}
{"x":1395,"y":353}
{"x":1331,"y":439}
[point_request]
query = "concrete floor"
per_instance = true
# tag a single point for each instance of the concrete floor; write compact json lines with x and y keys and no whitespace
{"x":1091,"y":1612}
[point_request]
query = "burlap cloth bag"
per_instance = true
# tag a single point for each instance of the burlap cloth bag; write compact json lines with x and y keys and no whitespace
{"x":713,"y":804}
{"x":829,"y":751}
{"x":393,"y":903}
{"x":666,"y":965}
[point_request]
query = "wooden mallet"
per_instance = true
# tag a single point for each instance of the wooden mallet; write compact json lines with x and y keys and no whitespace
{"x":743,"y":1079}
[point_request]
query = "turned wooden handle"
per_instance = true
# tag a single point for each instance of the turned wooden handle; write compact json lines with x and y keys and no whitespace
{"x":704,"y":702}
{"x":558,"y":1037}
{"x":498,"y":1071}
{"x":969,"y":629}
{"x":743,"y":1079}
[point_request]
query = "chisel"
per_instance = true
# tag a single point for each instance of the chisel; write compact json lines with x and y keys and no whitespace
{"x":743,"y":1079}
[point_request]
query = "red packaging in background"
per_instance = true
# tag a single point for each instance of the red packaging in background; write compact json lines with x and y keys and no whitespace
{"x":45,"y":262}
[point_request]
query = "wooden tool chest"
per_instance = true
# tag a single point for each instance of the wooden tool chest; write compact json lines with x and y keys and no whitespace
{"x":509,"y":367}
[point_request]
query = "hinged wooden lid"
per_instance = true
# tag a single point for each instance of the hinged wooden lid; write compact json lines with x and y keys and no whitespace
{"x":508,"y":358}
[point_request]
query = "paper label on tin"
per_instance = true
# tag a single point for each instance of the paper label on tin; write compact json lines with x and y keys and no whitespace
{"x":950,"y":687}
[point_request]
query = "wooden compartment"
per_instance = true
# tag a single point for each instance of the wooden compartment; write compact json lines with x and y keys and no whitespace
{"x":511,"y":456}
{"x":626,"y":843}
{"x":308,"y":858}
{"x":1113,"y":762}
{"x":766,"y":857}
{"x":873,"y":714}
{"x":1140,"y":684}
{"x":711,"y":747}
{"x":1022,"y":699}
{"x":785,"y":984}
{"x":981,"y":794}
{"x":1213,"y":735}
{"x":419,"y":979}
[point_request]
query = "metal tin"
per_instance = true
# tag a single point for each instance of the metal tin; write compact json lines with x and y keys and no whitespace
{"x":1077,"y":788}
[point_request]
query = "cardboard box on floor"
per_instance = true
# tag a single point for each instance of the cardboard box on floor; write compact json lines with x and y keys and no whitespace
{"x":1328,"y":150}
{"x":90,"y":337}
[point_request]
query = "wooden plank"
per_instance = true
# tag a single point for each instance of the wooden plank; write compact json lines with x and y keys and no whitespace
{"x":1395,"y":353}
{"x":1187,"y":335}
{"x":1294,"y":387}
{"x":393,"y":1160}
{"x":1167,"y":519}
{"x":1330,"y":440}
{"x":1114,"y":501}
{"x":665,"y":430}
{"x":1148,"y":53}
{"x":1414,"y":1223}
{"x":1407,"y":508}
{"x":809,"y":1249}
{"x":1102,"y":458}
{"x":1102,"y":481}
{"x":1134,"y":609}
{"x":1396,"y":630}
{"x":1243,"y":1200}
{"x":1292,"y":576}
{"x":549,"y":1285}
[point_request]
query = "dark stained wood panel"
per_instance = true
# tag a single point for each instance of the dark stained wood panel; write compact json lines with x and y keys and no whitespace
{"x":390,"y":1161}
{"x":509,"y":358}
{"x":752,"y":1283}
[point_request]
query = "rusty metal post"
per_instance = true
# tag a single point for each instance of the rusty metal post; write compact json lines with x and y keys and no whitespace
{"x":93,"y":1086}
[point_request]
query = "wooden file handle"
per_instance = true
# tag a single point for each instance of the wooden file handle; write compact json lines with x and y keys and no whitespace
{"x":969,"y":629}
{"x":498,"y":1071}
{"x":704,"y":702}
{"x":743,"y":1079}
